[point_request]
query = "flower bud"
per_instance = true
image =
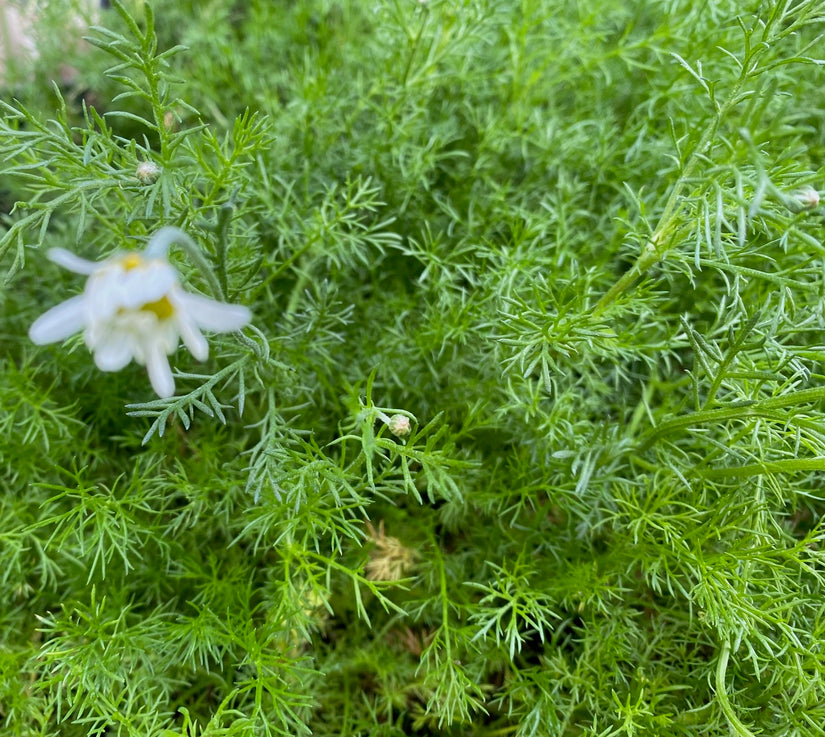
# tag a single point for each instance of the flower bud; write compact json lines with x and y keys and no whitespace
{"x":399,"y":426}
{"x":147,"y":172}
{"x":807,"y":196}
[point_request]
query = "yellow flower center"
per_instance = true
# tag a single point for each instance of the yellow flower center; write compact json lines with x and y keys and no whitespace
{"x":163,"y":308}
{"x":131,"y":261}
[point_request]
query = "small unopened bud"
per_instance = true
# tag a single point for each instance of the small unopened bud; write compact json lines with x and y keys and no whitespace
{"x":399,"y":426}
{"x":808,"y":197}
{"x":147,"y":172}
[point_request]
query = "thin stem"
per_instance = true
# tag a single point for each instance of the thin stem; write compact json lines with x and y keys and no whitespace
{"x":297,"y":291}
{"x":225,"y":214}
{"x":765,"y":408}
{"x":722,"y":694}
{"x":659,"y":243}
{"x":414,"y":49}
{"x":445,"y":601}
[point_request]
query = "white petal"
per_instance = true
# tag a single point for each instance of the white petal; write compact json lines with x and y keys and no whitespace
{"x":104,"y":295}
{"x":59,"y":322}
{"x":193,"y":338}
{"x":144,"y":332}
{"x":69,"y":261}
{"x":159,"y":372}
{"x":146,"y":284}
{"x":211,"y":315}
{"x":113,"y":354}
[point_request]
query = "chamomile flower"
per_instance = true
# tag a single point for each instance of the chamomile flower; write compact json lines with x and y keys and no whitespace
{"x":133,"y":308}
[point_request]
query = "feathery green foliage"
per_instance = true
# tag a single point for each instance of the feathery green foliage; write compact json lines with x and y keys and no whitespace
{"x":577,"y":245}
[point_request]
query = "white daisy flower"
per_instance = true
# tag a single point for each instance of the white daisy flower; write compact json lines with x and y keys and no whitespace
{"x":133,"y":308}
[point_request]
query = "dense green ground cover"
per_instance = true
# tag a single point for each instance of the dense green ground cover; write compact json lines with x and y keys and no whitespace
{"x":572,"y":241}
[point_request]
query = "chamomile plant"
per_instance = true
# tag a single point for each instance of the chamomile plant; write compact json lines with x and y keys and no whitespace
{"x":484,"y":356}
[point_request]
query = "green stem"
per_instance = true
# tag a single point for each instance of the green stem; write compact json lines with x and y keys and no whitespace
{"x":790,"y":465}
{"x":297,"y":291}
{"x":765,"y":408}
{"x":225,"y":214}
{"x":722,"y":695}
{"x":659,"y":243}
{"x":445,"y":613}
{"x":150,"y":71}
{"x":414,"y":49}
